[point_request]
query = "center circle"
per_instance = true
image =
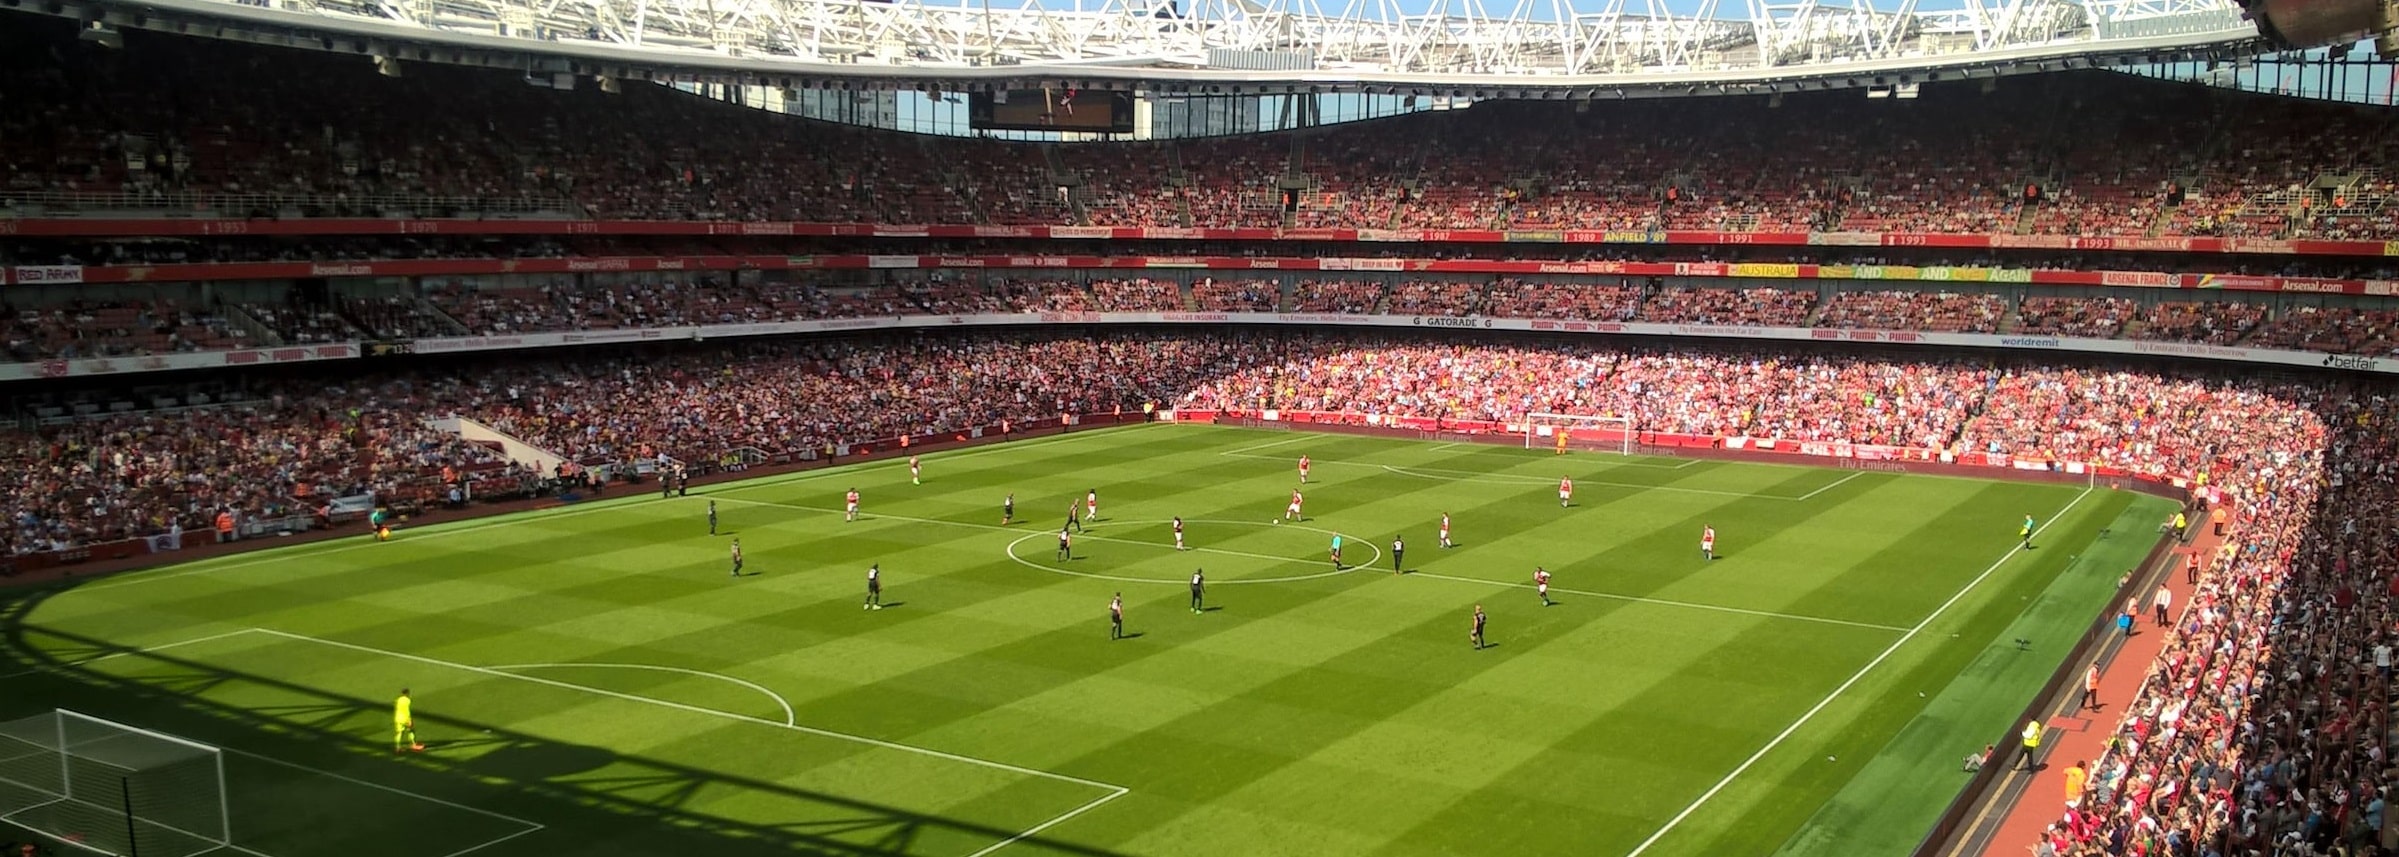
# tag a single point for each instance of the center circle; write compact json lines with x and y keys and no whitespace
{"x":1103,"y":538}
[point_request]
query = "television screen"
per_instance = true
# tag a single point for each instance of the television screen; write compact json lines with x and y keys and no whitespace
{"x":1084,"y":110}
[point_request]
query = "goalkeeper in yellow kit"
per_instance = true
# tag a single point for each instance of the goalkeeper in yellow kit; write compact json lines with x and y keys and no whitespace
{"x":404,"y":726}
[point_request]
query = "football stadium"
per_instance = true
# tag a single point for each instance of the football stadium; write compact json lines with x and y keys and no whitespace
{"x":867,"y":429}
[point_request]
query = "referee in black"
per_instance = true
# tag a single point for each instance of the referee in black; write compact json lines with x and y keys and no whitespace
{"x":1399,"y":548}
{"x":1199,"y":589}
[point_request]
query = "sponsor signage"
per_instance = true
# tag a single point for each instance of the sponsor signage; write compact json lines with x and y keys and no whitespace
{"x":172,"y":227}
{"x":2139,"y":279}
{"x":472,"y":267}
{"x":1361,"y":264}
{"x":38,"y":275}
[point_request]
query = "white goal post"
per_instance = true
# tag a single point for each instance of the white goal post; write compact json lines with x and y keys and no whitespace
{"x":109,"y":788}
{"x":1581,"y":431}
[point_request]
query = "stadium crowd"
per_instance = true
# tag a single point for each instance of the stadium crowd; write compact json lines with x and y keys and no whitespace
{"x":183,"y":320}
{"x":262,"y":131}
{"x":131,"y":475}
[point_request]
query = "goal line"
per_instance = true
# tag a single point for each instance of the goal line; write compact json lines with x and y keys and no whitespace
{"x":1594,"y":432}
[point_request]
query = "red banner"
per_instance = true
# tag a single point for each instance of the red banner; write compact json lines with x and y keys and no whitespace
{"x":198,"y":227}
{"x":470,"y":267}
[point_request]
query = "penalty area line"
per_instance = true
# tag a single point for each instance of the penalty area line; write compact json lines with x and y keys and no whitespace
{"x":695,"y":709}
{"x":1054,"y":821}
{"x":789,"y":717}
{"x":1845,"y":685}
{"x":143,"y":650}
{"x":1113,"y":791}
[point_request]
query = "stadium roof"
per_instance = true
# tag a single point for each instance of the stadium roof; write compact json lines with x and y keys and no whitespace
{"x":1527,"y":48}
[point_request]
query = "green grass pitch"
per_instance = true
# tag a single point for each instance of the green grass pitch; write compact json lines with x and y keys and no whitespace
{"x":592,"y":681}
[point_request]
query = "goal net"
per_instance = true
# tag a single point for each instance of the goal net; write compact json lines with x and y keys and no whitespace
{"x":109,"y":788}
{"x":1579,"y":431}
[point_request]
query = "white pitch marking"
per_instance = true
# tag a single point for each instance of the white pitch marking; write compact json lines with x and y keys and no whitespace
{"x":1347,"y":568}
{"x":1054,"y":821}
{"x":1247,"y":451}
{"x":868,"y":516}
{"x":1667,"y":602}
{"x":1704,"y":797}
{"x":113,"y":655}
{"x":895,"y":461}
{"x":341,"y":545}
{"x":1830,"y":486}
{"x":295,"y":765}
{"x":789,"y":717}
{"x":530,"y":825}
{"x":694,"y":709}
{"x":333,"y":546}
{"x":474,"y":848}
{"x":1519,"y":479}
{"x":216,"y":845}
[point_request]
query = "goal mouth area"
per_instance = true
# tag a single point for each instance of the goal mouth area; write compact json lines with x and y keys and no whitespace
{"x":110,"y":788}
{"x":1579,"y":432}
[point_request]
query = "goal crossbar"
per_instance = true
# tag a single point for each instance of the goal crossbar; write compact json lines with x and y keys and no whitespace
{"x":1598,"y":432}
{"x":113,"y":788}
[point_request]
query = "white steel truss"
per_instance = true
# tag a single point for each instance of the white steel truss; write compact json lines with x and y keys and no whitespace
{"x":1524,"y":42}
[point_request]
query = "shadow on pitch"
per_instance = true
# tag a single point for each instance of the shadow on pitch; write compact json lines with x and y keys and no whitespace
{"x":593,"y":800}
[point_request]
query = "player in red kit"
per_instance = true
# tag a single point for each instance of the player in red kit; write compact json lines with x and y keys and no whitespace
{"x":1541,"y":584}
{"x":1707,"y":543}
{"x":1445,"y":530}
{"x":1565,"y":492}
{"x":1303,"y":470}
{"x":849,"y":508}
{"x":1291,"y":513}
{"x":1179,"y":533}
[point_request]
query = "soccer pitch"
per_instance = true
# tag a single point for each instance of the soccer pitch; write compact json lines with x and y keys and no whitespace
{"x":591,"y":680}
